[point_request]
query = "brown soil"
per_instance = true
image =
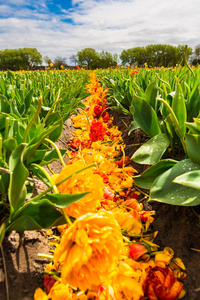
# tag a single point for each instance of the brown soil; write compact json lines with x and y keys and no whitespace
{"x":178,"y":228}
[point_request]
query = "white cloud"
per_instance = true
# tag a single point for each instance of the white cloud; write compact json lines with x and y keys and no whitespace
{"x":111,"y":25}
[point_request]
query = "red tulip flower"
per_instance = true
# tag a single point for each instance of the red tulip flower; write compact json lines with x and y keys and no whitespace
{"x":137,"y":250}
{"x":161,"y":284}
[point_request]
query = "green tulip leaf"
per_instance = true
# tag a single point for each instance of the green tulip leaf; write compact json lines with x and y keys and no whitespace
{"x":36,"y":142}
{"x":151,"y":94}
{"x":18,"y":176}
{"x":191,"y":179}
{"x":133,"y":127}
{"x":152,"y":151}
{"x":193,"y":147}
{"x":2,"y":232}
{"x":56,"y":119}
{"x":40,"y":173}
{"x":27,"y":100}
{"x":33,"y":216}
{"x":179,"y":108}
{"x":165,"y":190}
{"x":51,"y":155}
{"x":145,"y":116}
{"x":64,"y":200}
{"x":10,"y":144}
{"x":36,"y":157}
{"x":193,"y":127}
{"x":146,"y":179}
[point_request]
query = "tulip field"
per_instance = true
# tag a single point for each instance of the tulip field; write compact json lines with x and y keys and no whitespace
{"x":121,"y":216}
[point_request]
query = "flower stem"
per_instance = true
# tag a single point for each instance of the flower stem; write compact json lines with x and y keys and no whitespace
{"x":67,"y":219}
{"x":57,"y":150}
{"x":33,"y":119}
{"x":175,"y":121}
{"x":45,"y":255}
{"x":54,"y":105}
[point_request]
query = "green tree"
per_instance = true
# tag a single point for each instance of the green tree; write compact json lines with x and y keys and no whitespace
{"x":30,"y":57}
{"x":155,"y":55}
{"x":161,"y":55}
{"x":106,"y":60}
{"x":133,"y":56}
{"x":89,"y":57}
{"x":19,"y":59}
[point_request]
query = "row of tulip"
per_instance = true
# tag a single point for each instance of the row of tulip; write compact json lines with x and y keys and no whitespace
{"x":33,"y":107}
{"x":106,"y":249}
{"x":165,"y":105}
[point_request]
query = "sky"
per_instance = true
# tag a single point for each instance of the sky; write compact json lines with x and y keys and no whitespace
{"x":62,"y":28}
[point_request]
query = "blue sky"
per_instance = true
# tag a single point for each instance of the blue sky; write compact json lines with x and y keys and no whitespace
{"x":62,"y":28}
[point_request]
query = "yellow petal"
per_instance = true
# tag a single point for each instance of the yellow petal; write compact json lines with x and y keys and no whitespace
{"x":40,"y":295}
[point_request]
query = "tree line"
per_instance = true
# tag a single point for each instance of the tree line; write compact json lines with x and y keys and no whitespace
{"x":19,"y":59}
{"x":153,"y":55}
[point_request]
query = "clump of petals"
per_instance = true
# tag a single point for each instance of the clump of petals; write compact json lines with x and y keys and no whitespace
{"x":129,"y":221}
{"x":89,"y":250}
{"x":60,"y":291}
{"x":97,"y":131}
{"x":40,"y":295}
{"x":127,"y":283}
{"x":161,"y":283}
{"x":84,"y":181}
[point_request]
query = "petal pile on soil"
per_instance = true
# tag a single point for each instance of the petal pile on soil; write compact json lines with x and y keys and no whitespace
{"x":106,"y":249}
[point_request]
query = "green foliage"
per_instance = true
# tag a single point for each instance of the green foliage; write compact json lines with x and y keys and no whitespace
{"x":154,"y":55}
{"x":146,"y":179}
{"x":33,"y":108}
{"x":152,"y":151}
{"x":165,"y":188}
{"x":106,"y":60}
{"x":89,"y":57}
{"x":165,"y":104}
{"x":145,"y":116}
{"x":94,"y":60}
{"x":19,"y":59}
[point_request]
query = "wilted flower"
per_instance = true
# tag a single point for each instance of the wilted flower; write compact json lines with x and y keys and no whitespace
{"x":97,"y":131}
{"x":40,"y":295}
{"x":137,"y":250}
{"x":127,"y":283}
{"x":123,"y":161}
{"x":89,"y":250}
{"x":60,"y":291}
{"x":98,"y":111}
{"x":48,"y":282}
{"x":163,"y":258}
{"x":85,"y":181}
{"x":161,"y":283}
{"x":128,"y":221}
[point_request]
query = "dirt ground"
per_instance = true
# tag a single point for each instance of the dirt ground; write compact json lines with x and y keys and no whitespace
{"x":178,"y":228}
